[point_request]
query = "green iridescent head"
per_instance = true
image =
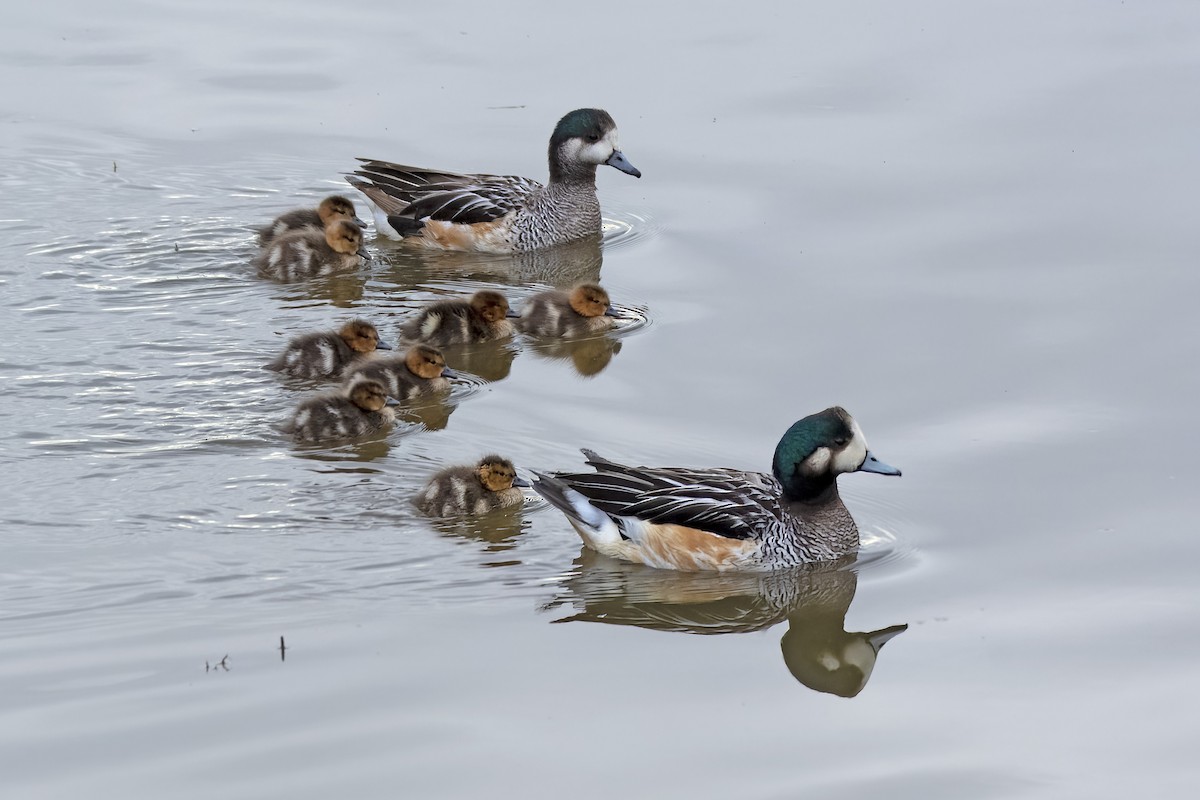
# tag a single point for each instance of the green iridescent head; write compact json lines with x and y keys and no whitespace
{"x":590,"y":124}
{"x":583,"y":140}
{"x":818,"y":448}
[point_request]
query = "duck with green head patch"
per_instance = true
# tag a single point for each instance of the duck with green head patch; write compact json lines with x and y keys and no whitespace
{"x":724,"y":519}
{"x":499,"y":213}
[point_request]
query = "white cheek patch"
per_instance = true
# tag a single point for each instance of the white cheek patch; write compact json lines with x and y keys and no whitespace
{"x":853,"y":454}
{"x":601,"y":151}
{"x":818,"y":462}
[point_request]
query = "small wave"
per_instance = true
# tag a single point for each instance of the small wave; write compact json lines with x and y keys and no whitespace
{"x":626,"y":228}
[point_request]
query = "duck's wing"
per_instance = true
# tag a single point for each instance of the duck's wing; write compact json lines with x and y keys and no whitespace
{"x":421,"y":194}
{"x":726,"y":502}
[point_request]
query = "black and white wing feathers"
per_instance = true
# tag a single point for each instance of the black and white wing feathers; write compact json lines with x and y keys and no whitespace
{"x":446,"y":196}
{"x":726,"y":502}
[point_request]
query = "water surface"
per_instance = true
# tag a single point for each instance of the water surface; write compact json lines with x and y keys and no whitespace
{"x":969,"y":225}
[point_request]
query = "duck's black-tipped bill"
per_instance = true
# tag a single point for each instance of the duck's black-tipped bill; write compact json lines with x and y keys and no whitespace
{"x":360,"y":223}
{"x":362,"y":252}
{"x":391,"y":401}
{"x":448,"y":373}
{"x":382,"y":345}
{"x":522,"y":483}
{"x":879,"y":638}
{"x":873,"y":464}
{"x":618,"y":160}
{"x":512,"y":314}
{"x":612,"y":312}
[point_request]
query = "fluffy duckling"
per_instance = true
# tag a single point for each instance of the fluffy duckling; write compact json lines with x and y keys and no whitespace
{"x":327,"y":354}
{"x":482,"y":318}
{"x":308,"y":253}
{"x":357,"y":409}
{"x":333,"y":207}
{"x":420,"y":371}
{"x":585,"y":309}
{"x":478,"y":489}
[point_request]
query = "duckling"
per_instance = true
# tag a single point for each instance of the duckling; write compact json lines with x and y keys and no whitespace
{"x":462,"y":490}
{"x":446,"y":322}
{"x":327,"y":354}
{"x":333,"y":207}
{"x":724,"y":519}
{"x":499,"y":213}
{"x":308,"y":253}
{"x":357,"y":409}
{"x":420,"y":371}
{"x":585,"y":309}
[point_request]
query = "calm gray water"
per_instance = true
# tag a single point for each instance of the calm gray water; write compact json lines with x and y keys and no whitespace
{"x":970,"y":224}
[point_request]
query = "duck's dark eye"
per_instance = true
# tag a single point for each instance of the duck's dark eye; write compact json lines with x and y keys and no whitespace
{"x":841,"y":441}
{"x":593,"y":137}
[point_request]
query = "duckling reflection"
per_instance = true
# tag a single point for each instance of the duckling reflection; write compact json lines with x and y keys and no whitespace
{"x":490,"y":361}
{"x":496,"y":532}
{"x":589,"y":357}
{"x":817,"y":649}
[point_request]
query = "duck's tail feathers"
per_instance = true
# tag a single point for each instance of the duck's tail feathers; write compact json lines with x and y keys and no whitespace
{"x":383,"y":207}
{"x":594,"y":459}
{"x":405,"y":226}
{"x":591,"y":523}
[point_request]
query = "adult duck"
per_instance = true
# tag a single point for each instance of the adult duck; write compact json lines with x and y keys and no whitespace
{"x":724,"y":519}
{"x":499,"y":213}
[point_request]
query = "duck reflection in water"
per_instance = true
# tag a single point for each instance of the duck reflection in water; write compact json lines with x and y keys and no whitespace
{"x":562,"y":266}
{"x":817,"y":649}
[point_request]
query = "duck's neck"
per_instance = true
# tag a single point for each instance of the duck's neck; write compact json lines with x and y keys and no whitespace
{"x":814,"y":491}
{"x":571,"y":173}
{"x":825,"y":513}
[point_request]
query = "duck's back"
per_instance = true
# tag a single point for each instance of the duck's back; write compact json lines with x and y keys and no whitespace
{"x":396,"y":377}
{"x":490,"y":213}
{"x":454,"y":491}
{"x":295,"y":219}
{"x":314,"y":356}
{"x":332,"y":416}
{"x":551,"y":314}
{"x":300,"y":254}
{"x":449,"y":322}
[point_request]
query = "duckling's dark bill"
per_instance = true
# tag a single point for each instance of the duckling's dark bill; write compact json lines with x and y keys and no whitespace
{"x":873,"y":464}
